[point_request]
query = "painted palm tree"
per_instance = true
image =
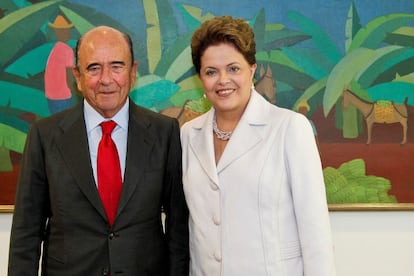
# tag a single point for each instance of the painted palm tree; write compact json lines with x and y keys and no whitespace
{"x":174,"y":64}
{"x":369,"y":67}
{"x":166,"y":77}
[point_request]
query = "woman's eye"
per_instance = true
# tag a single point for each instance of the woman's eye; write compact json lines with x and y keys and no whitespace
{"x":234,"y":69}
{"x":210,"y":72}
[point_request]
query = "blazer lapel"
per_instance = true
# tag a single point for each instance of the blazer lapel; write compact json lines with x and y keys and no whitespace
{"x":201,"y":142}
{"x":248,"y":133}
{"x":77,"y":156}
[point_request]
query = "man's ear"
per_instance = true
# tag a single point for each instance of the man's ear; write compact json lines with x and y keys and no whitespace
{"x":134,"y":73}
{"x":76,"y":74}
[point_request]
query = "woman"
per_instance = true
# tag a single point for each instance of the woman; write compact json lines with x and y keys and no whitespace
{"x":252,"y":174}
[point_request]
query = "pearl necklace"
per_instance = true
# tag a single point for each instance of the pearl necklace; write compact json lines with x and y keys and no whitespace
{"x":222,"y":135}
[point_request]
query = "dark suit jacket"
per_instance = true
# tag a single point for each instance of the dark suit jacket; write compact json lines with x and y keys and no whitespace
{"x":57,"y":202}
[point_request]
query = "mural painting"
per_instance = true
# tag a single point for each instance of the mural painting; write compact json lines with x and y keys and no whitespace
{"x":346,"y":65}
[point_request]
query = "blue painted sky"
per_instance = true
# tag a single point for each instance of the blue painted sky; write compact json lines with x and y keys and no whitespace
{"x":329,"y":14}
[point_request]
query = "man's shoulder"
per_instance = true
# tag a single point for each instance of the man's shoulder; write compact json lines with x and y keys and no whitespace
{"x":63,"y":118}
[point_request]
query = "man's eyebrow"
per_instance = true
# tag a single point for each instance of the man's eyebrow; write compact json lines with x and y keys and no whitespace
{"x":117,"y":63}
{"x":92,"y":65}
{"x":111,"y":63}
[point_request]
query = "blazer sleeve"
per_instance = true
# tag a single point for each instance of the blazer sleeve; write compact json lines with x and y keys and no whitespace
{"x":31,"y":209}
{"x":309,"y":198}
{"x":175,"y":207}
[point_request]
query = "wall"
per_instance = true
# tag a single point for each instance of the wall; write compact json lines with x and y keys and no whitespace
{"x":366,"y":243}
{"x":5,"y":224}
{"x":373,"y":243}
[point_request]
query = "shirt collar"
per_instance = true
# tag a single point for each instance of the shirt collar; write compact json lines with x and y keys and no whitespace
{"x":93,"y":118}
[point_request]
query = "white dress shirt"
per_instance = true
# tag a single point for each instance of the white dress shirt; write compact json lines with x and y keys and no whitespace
{"x":94,"y":131}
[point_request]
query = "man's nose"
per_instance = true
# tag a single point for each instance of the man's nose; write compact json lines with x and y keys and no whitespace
{"x":106,"y":75}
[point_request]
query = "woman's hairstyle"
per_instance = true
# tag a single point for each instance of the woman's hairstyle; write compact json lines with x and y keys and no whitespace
{"x":223,"y":29}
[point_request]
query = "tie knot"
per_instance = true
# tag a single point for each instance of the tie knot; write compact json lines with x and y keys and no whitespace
{"x":108,"y":127}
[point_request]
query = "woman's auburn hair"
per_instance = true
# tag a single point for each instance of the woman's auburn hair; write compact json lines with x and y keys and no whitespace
{"x":223,"y":29}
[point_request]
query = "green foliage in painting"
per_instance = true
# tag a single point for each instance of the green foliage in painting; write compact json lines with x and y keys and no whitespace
{"x":19,"y":27}
{"x":376,"y":64}
{"x":201,"y":105}
{"x":23,"y":98}
{"x":403,"y":36}
{"x":396,"y":92}
{"x":374,"y":33}
{"x":10,"y":139}
{"x":350,"y":184}
{"x":352,"y":25}
{"x":320,"y":38}
{"x":387,"y":57}
{"x":343,"y":73}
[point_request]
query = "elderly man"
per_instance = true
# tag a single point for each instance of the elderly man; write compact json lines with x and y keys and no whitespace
{"x":92,"y":215}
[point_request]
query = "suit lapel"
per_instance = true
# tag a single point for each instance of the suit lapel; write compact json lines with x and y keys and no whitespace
{"x":201,"y":142}
{"x":139,"y":145}
{"x":73,"y":145}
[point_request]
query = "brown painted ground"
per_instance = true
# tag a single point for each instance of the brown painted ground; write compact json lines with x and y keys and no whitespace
{"x":384,"y":157}
{"x":8,"y":181}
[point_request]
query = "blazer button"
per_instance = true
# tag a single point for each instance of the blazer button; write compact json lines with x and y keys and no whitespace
{"x":217,"y":256}
{"x":216,"y":219}
{"x":105,"y":272}
{"x":112,"y":235}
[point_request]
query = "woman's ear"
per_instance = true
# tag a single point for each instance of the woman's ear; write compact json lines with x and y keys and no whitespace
{"x":253,"y":69}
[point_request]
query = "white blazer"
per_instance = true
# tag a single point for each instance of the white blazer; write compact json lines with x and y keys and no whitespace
{"x":262,"y":210}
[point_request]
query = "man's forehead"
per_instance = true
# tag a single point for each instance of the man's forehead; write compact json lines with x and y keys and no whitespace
{"x":104,"y":45}
{"x":103,"y":31}
{"x":104,"y":37}
{"x":104,"y":50}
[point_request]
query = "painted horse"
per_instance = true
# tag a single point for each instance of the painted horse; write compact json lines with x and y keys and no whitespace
{"x":377,"y":113}
{"x":266,"y":84}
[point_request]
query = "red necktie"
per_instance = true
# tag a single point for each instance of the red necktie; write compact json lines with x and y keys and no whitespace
{"x":109,"y":171}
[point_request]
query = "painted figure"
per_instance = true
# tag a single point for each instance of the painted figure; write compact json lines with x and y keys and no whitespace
{"x":59,"y":82}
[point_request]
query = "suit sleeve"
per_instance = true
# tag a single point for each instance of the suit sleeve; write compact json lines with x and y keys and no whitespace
{"x":176,"y":222}
{"x":31,"y":210}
